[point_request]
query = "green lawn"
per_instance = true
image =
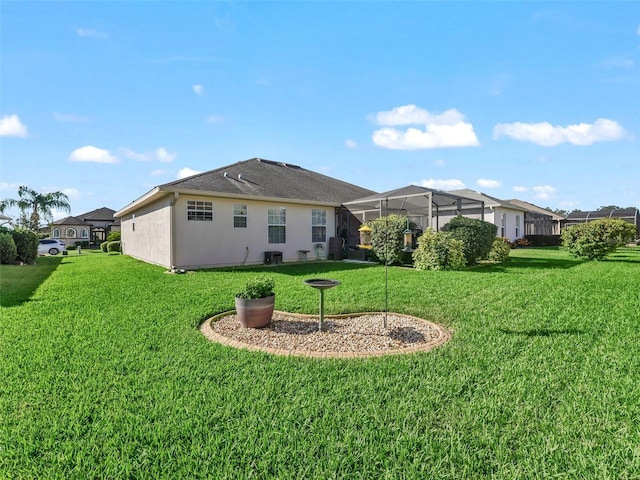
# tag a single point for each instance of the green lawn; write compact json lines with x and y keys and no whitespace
{"x":104,"y":374}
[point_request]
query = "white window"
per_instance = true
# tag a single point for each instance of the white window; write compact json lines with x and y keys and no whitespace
{"x":199,"y":211}
{"x":133,"y":222}
{"x":84,"y":233}
{"x":517,"y":226}
{"x":70,"y":233}
{"x":239,"y":215}
{"x":503,"y":224}
{"x":55,"y":233}
{"x":318,"y":225}
{"x":276,"y":224}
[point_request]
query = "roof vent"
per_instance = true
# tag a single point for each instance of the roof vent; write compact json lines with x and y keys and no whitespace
{"x":226,"y":174}
{"x":239,"y":176}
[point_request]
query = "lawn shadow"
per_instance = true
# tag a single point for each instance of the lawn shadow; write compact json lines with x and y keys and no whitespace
{"x":19,"y":282}
{"x":542,"y":332}
{"x":315,"y":268}
{"x":525,"y":263}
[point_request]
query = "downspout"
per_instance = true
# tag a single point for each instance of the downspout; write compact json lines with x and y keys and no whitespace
{"x":172,"y":231}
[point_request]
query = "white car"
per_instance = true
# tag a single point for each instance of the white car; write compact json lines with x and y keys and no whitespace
{"x":51,"y":246}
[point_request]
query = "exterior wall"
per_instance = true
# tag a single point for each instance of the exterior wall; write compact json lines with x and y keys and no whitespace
{"x":71,"y":239}
{"x":146,"y":235}
{"x":203,"y":244}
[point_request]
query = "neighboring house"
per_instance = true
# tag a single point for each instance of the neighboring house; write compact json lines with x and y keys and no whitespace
{"x":240,"y":214}
{"x":91,"y":227}
{"x":538,"y":220}
{"x":508,"y":217}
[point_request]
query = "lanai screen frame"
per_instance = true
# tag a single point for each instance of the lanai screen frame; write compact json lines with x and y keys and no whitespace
{"x":414,"y":201}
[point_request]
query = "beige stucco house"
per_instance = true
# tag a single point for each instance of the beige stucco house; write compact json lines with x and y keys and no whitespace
{"x":246,"y":213}
{"x":93,"y":226}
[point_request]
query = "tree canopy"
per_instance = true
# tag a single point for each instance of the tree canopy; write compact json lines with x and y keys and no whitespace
{"x":35,"y":207}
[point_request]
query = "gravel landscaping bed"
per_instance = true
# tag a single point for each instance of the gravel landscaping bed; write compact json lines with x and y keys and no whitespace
{"x":355,"y":335}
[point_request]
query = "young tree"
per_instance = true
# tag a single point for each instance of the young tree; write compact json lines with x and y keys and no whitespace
{"x":35,"y":207}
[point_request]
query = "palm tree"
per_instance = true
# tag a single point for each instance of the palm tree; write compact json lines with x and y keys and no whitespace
{"x":34,"y":206}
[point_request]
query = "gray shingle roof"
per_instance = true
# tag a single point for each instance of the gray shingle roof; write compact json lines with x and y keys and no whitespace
{"x":103,"y":214}
{"x":266,"y":178}
{"x":70,"y":221}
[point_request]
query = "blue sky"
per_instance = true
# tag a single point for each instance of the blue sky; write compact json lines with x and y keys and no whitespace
{"x":532,"y":100}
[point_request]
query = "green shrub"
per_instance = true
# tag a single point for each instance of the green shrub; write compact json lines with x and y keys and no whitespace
{"x":26,"y":244}
{"x":595,"y":240}
{"x":8,"y":250}
{"x":387,"y":237}
{"x":521,"y":243}
{"x":114,"y":236}
{"x":70,"y":246}
{"x":257,"y":287}
{"x":477,"y":236}
{"x":103,"y":246}
{"x":81,"y":243}
{"x":500,"y":250}
{"x":113,"y":247}
{"x":438,"y":251}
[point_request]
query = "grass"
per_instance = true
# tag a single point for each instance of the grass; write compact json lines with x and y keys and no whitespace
{"x":105,"y":375}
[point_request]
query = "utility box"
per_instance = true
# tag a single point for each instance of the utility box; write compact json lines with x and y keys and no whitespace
{"x":272,"y":258}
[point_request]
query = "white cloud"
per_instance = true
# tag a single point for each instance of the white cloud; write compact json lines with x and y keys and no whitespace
{"x":618,"y":62}
{"x":486,"y":183}
{"x":187,"y":172}
{"x":544,"y":192}
{"x":549,"y":135}
{"x":198,"y":89}
{"x":440,"y":184}
{"x":164,"y":156}
{"x":70,"y":117}
{"x":11,"y":126}
{"x":9,"y":186}
{"x":439,"y":163}
{"x":72,"y":193}
{"x":92,"y":154}
{"x":161,"y":154}
{"x":448,"y":129}
{"x":519,"y":188}
{"x":349,"y":143}
{"x":91,"y":33}
{"x":137,"y":156}
{"x":159,"y":172}
{"x":215,"y":119}
{"x":569,"y":205}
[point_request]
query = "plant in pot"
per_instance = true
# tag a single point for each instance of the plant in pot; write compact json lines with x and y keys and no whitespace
{"x":254,"y":304}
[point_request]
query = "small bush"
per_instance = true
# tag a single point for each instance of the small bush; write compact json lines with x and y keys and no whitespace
{"x":500,"y":250}
{"x":103,"y":246}
{"x":114,"y":236}
{"x":595,"y":240}
{"x":8,"y":250}
{"x":70,"y":246}
{"x":81,"y":243}
{"x":521,"y":243}
{"x":544,"y":240}
{"x":26,"y":244}
{"x":257,"y":287}
{"x":477,"y":236}
{"x":438,"y":251}
{"x":387,"y":239}
{"x":113,"y":247}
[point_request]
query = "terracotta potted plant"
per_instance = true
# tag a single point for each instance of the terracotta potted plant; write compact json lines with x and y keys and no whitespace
{"x":254,"y":304}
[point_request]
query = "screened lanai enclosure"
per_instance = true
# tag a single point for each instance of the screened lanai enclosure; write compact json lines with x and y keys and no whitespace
{"x":629,"y":215}
{"x":425,"y":207}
